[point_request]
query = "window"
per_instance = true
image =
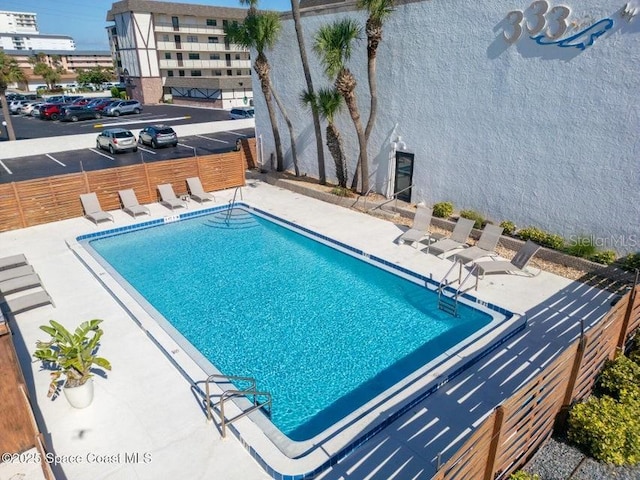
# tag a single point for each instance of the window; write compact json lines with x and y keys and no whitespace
{"x":237,"y":56}
{"x":211,"y":22}
{"x":217,"y":73}
{"x":169,"y":73}
{"x":181,"y":73}
{"x":165,"y":38}
{"x":225,"y":23}
{"x":229,"y":73}
{"x":214,"y":56}
{"x":192,"y":39}
{"x":196,"y":73}
{"x":214,"y":40}
{"x":167,"y":56}
{"x":238,"y":72}
{"x":175,"y":23}
{"x":194,"y":56}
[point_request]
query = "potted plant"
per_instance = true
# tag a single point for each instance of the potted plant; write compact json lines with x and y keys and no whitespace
{"x":71,"y":357}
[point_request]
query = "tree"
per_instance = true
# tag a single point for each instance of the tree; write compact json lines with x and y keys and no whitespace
{"x":10,"y":72}
{"x":379,"y":11}
{"x":294,"y":152}
{"x":94,"y":76}
{"x":333,"y":46}
{"x":328,"y":103}
{"x":260,"y":30}
{"x":51,"y":73}
{"x":295,"y":9}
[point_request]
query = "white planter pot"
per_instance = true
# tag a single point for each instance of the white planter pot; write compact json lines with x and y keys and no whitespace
{"x":80,"y":397}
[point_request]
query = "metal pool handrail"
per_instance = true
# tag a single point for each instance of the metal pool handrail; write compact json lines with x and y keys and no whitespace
{"x":232,"y":202}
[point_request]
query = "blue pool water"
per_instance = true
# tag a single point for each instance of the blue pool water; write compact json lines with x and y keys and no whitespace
{"x":322,"y":331}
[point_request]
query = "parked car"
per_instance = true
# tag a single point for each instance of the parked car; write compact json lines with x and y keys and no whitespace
{"x":102,"y":104}
{"x":26,"y":108}
{"x":158,"y":135}
{"x":116,"y":140}
{"x":35,"y":111}
{"x":81,"y":101}
{"x":15,"y":105}
{"x":73,"y":113}
{"x":242,"y":112}
{"x":50,"y":111}
{"x":121,"y":107}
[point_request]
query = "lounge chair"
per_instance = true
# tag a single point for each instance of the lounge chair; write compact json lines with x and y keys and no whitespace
{"x":168,"y":197}
{"x":92,"y":209}
{"x":516,"y":265}
{"x":13,"y":261}
{"x":28,"y":302}
{"x":197,"y":192}
{"x":485,"y":247}
{"x":130,"y":203}
{"x":420,"y":229}
{"x":15,"y":272}
{"x":458,"y":238}
{"x":18,"y":284}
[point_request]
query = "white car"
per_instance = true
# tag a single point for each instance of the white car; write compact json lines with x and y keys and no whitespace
{"x":15,"y":105}
{"x":27,"y":108}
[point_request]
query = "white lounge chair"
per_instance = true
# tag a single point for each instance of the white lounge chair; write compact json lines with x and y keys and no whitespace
{"x":130,"y":203}
{"x":18,"y":284}
{"x":516,"y":265}
{"x":28,"y":302}
{"x":92,"y":209}
{"x":485,"y":247}
{"x":420,"y":229}
{"x":458,"y":238}
{"x":168,"y":197}
{"x":197,"y":192}
{"x":13,"y":261}
{"x":15,"y":272}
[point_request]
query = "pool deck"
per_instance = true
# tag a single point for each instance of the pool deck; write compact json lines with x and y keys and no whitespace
{"x":146,"y":405}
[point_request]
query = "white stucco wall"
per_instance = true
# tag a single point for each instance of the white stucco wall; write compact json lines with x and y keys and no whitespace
{"x":542,"y":135}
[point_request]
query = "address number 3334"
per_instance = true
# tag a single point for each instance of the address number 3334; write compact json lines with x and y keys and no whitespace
{"x":535,"y":19}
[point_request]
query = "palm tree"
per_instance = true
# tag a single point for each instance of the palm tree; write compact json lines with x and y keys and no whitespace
{"x":9,"y":72}
{"x":295,"y":10}
{"x":260,"y":31}
{"x":333,"y":46}
{"x":328,"y":103}
{"x":379,"y":11}
{"x":294,"y":151}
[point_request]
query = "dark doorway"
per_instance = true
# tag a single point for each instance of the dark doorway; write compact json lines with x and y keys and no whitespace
{"x":404,"y":175}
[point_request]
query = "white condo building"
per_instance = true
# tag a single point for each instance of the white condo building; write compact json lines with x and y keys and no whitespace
{"x":19,"y":31}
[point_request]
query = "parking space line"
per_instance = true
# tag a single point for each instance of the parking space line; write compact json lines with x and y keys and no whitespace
{"x":147,"y":150}
{"x":235,"y":133}
{"x":5,"y":167}
{"x":132,"y":122}
{"x":57,"y":161}
{"x":209,"y":138}
{"x":100,"y":153}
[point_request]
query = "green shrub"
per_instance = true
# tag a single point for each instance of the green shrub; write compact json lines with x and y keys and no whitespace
{"x":522,"y":475}
{"x":541,"y":237}
{"x":443,"y":209}
{"x":620,"y":379}
{"x":634,"y":349}
{"x":581,"y":247}
{"x":475,"y":216}
{"x":631,"y":262}
{"x":508,"y":226}
{"x":606,"y":429}
{"x":342,"y":192}
{"x":605,"y":257}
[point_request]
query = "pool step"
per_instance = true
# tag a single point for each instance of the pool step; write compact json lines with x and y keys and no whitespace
{"x":236,"y":219}
{"x":448,"y":305}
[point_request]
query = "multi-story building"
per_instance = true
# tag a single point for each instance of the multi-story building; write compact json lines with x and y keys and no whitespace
{"x":179,"y":52}
{"x":19,"y":31}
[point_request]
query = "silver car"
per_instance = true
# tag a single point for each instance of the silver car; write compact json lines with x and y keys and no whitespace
{"x":125,"y":106}
{"x":116,"y":140}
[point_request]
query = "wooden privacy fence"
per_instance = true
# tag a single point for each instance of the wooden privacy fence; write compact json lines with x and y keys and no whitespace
{"x":515,"y":429}
{"x":44,"y":200}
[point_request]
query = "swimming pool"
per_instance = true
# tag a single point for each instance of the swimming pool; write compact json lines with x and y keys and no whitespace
{"x":255,"y":285}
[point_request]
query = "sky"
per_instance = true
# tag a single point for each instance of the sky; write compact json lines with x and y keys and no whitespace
{"x":84,"y":20}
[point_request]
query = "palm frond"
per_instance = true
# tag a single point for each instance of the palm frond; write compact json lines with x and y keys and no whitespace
{"x":378,"y":9}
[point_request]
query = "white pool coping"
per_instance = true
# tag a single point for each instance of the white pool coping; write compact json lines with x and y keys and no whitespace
{"x":146,"y":404}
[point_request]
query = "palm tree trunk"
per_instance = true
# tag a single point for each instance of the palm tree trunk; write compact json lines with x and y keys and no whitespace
{"x":7,"y":116}
{"x":295,"y":9}
{"x":373,"y":85}
{"x":261,"y":67}
{"x":352,"y":105}
{"x":294,"y":152}
{"x":334,"y":143}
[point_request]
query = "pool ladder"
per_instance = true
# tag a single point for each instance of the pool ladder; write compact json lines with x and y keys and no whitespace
{"x":232,"y":203}
{"x":256,"y":400}
{"x":449,"y":304}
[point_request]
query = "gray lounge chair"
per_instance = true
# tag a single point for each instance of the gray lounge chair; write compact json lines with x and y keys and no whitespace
{"x":130,"y":203}
{"x":516,"y":265}
{"x":16,"y":272}
{"x":28,"y":302}
{"x":92,"y":209}
{"x":18,"y":284}
{"x":420,"y":229}
{"x":168,"y":197}
{"x":13,"y":261}
{"x":485,"y":247}
{"x":458,"y":238}
{"x":197,"y":192}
